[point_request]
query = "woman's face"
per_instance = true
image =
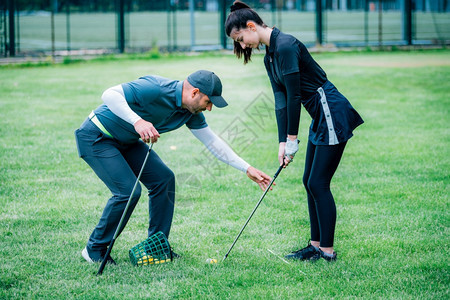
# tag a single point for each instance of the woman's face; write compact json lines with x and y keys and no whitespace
{"x":247,"y":38}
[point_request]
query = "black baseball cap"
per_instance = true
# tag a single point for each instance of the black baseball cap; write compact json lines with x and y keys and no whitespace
{"x":209,"y":84}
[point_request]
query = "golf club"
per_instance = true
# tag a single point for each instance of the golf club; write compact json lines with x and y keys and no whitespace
{"x":251,"y":215}
{"x":108,"y":252}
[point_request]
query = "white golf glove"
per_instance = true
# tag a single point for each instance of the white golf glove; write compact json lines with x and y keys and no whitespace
{"x":291,"y":148}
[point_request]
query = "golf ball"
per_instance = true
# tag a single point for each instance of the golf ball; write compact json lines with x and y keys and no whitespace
{"x":211,"y":261}
{"x":145,"y":260}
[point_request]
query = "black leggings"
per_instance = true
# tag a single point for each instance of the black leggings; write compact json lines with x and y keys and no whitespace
{"x":320,"y":165}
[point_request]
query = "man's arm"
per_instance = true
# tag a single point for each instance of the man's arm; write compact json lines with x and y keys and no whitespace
{"x":114,"y":98}
{"x":224,"y":153}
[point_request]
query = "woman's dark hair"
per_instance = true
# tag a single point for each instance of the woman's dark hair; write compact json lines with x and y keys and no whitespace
{"x":240,"y":14}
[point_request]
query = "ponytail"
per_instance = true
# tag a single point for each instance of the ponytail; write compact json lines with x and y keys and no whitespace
{"x":238,"y":5}
{"x":240,"y":14}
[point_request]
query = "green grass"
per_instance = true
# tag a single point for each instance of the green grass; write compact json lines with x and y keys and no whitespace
{"x":391,"y":189}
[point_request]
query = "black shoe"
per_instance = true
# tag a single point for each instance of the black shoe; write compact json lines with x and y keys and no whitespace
{"x":175,"y":255}
{"x":307,"y":253}
{"x":328,"y":258}
{"x":110,"y":260}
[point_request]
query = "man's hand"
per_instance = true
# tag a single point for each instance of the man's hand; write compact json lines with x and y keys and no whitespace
{"x":147,"y":131}
{"x":262,"y":179}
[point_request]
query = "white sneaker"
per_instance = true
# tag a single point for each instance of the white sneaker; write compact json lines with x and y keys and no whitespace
{"x":85,"y":255}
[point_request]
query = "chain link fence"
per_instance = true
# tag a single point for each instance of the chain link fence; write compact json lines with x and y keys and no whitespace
{"x":63,"y":27}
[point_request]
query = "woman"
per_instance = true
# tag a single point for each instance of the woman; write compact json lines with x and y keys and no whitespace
{"x":298,"y":80}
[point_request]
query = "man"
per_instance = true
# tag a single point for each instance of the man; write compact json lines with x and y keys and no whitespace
{"x":112,"y":141}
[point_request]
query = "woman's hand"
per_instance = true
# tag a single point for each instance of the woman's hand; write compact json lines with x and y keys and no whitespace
{"x":283,"y":160}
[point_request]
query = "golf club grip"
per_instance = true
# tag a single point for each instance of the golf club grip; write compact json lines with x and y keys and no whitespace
{"x":277,"y":172}
{"x":254,"y":210}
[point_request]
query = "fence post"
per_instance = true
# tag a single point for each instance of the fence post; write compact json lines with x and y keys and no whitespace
{"x":68,"y":25}
{"x":279,"y":8}
{"x":366,"y":22}
{"x":18,"y":27}
{"x":319,"y":22}
{"x":174,"y":26}
{"x":380,"y":24}
{"x":3,"y":29}
{"x":52,"y":25}
{"x":169,"y":28}
{"x":121,"y":26}
{"x":223,"y":16}
{"x":192,"y":18}
{"x":273,"y":8}
{"x":12,"y":35}
{"x":407,"y":22}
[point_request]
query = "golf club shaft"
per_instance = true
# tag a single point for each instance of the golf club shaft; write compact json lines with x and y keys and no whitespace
{"x":251,"y":215}
{"x":105,"y":258}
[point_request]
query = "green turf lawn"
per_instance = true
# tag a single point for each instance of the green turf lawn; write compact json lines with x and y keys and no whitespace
{"x":391,"y":189}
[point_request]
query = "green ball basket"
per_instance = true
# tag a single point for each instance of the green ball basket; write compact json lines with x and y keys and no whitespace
{"x":154,"y":250}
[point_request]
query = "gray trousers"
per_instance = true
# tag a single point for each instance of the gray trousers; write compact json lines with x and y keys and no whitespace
{"x":118,"y":165}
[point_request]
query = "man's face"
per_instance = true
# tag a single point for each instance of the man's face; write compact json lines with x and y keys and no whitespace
{"x":198,"y":103}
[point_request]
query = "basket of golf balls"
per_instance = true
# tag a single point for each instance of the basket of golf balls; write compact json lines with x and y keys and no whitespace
{"x":154,"y":250}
